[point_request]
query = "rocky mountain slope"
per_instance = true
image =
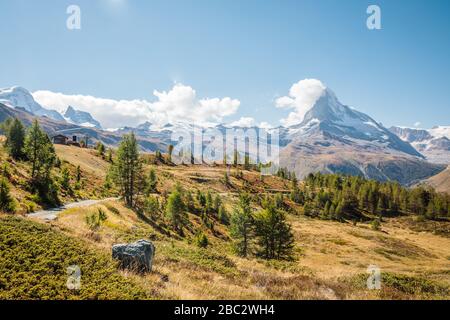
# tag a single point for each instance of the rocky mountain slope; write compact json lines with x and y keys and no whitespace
{"x":62,"y":127}
{"x":433,"y":143}
{"x":18,"y":97}
{"x":331,"y":138}
{"x":335,"y":138}
{"x":81,"y":118}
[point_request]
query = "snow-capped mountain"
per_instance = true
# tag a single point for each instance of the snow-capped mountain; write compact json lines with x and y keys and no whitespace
{"x":18,"y":97}
{"x":336,"y":138}
{"x":433,"y":143}
{"x":81,"y":118}
{"x":328,"y":119}
{"x":330,"y":138}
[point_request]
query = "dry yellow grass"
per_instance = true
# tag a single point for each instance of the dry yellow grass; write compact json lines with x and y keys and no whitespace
{"x":87,"y":159}
{"x":441,"y":181}
{"x":328,"y":254}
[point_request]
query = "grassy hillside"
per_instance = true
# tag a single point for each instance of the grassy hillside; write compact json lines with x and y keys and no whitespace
{"x":93,"y":171}
{"x":330,"y":260}
{"x":441,"y":181}
{"x":34,"y":259}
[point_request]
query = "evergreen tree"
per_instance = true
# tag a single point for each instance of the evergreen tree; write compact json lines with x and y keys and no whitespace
{"x":326,"y":210}
{"x":201,"y":240}
{"x":226,"y":178}
{"x":223,"y":216}
{"x":241,"y":229}
{"x":170,"y":152}
{"x":235,"y":158}
{"x":274,"y":234}
{"x":15,"y":138}
{"x":100,"y":149}
{"x":381,"y":209}
{"x":109,"y":156}
{"x":176,"y":210}
{"x":247,"y":162}
{"x":40,"y":152}
{"x":151,"y":182}
{"x":217,"y":203}
{"x":65,"y":179}
{"x":209,"y":203}
{"x":431,"y":211}
{"x":78,"y":174}
{"x":7,"y":203}
{"x":338,"y":214}
{"x":127,"y":169}
{"x":307,"y":210}
{"x":152,"y":206}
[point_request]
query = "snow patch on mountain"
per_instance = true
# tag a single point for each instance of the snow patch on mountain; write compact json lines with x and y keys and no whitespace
{"x":18,"y":97}
{"x":81,"y":118}
{"x":433,"y":143}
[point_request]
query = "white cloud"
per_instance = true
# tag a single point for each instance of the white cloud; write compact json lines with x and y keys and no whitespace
{"x":302,"y":97}
{"x":417,"y":124}
{"x":245,"y":122}
{"x":248,"y":122}
{"x":178,"y":104}
{"x":265,"y":125}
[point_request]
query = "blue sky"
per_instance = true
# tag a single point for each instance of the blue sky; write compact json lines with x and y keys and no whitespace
{"x":248,"y":50}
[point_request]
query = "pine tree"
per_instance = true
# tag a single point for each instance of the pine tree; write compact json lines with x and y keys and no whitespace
{"x":78,"y":174}
{"x":247,"y":162}
{"x":235,"y":158}
{"x":65,"y":179}
{"x":151,"y":182}
{"x":217,"y":203}
{"x":226,"y":178}
{"x":274,"y":234}
{"x":176,"y":210}
{"x":127,"y":169}
{"x":100,"y":149}
{"x":152,"y":206}
{"x":40,"y":152}
{"x":109,"y":156}
{"x":381,"y":209}
{"x":170,"y":152}
{"x":15,"y":138}
{"x":338,"y":214}
{"x":326,"y":210}
{"x":431,"y":211}
{"x":223,"y":216}
{"x":7,"y":203}
{"x":241,"y":229}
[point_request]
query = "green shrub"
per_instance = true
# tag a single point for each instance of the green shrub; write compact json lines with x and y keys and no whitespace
{"x":201,"y":240}
{"x":34,"y":261}
{"x":376,"y":225}
{"x":95,"y":219}
{"x":7,"y":203}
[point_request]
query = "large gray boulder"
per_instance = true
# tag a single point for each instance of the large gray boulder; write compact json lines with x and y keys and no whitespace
{"x":136,"y":256}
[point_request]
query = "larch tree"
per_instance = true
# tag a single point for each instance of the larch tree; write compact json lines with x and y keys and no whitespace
{"x":41,"y":154}
{"x":126,"y":171}
{"x":241,"y":228}
{"x":15,"y":138}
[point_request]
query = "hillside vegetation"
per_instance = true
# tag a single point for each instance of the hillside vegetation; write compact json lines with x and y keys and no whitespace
{"x":226,"y":232}
{"x":34,"y":261}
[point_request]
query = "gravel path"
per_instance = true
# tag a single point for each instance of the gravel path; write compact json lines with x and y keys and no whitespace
{"x":52,"y":214}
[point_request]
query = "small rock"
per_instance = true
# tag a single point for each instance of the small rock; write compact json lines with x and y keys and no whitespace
{"x":136,"y":256}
